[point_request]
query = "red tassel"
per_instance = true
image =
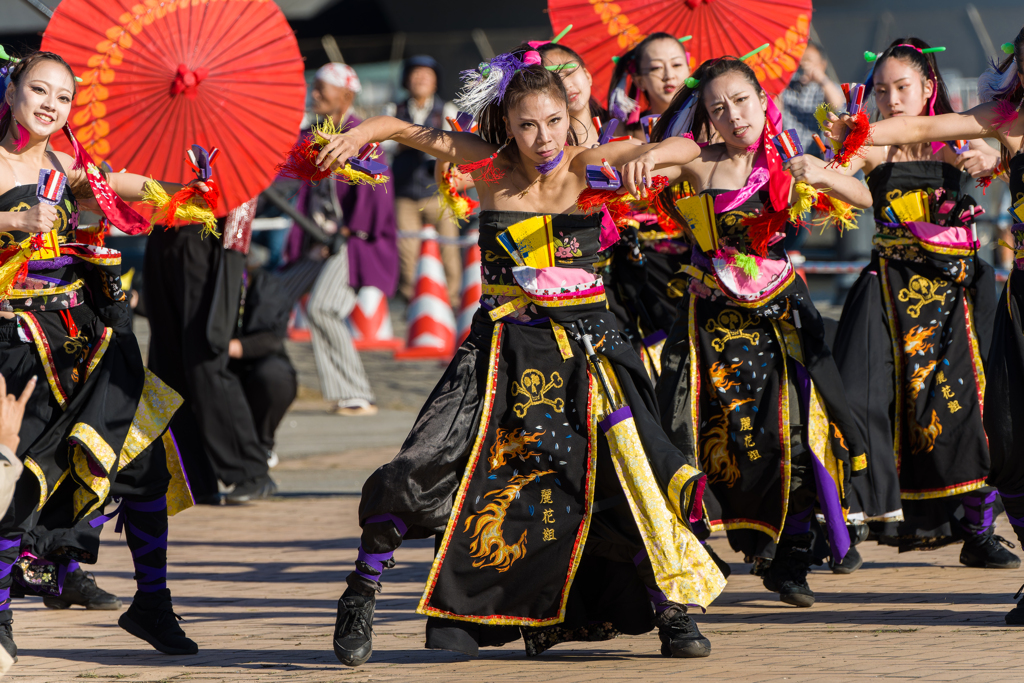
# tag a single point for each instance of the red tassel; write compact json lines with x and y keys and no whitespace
{"x":591,"y":200}
{"x":95,"y":238}
{"x":212,"y":197}
{"x":763,"y":227}
{"x":1005,"y":114}
{"x":301,"y":162}
{"x":856,"y":140}
{"x":489,"y":173}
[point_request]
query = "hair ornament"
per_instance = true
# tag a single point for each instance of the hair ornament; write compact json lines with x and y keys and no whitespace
{"x":754,"y":52}
{"x":995,"y":84}
{"x":685,"y":38}
{"x":531,"y":58}
{"x":620,"y":104}
{"x":554,"y":41}
{"x":487,"y":83}
{"x":1007,"y":48}
{"x":691,"y":82}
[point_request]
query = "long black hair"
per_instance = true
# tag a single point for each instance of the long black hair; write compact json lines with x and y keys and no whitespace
{"x":595,"y":107}
{"x":702,"y":127}
{"x":711,"y":69}
{"x":630,"y":63}
{"x":924,"y":64}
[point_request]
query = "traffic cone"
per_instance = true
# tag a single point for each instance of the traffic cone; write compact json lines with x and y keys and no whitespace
{"x":472,"y":289}
{"x":298,"y":323}
{"x":370,"y":322}
{"x":431,"y":319}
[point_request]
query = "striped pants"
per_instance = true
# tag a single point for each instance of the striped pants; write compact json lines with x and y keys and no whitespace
{"x":342,"y":377}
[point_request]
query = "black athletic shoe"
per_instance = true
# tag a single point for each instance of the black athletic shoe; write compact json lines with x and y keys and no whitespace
{"x":851,"y":563}
{"x":680,"y":636}
{"x":255,"y":489}
{"x":80,"y":589}
{"x":151,"y":617}
{"x":723,"y":566}
{"x":353,"y":629}
{"x":985,"y":551}
{"x":7,"y":634}
{"x":787,"y":574}
{"x":1015,"y":617}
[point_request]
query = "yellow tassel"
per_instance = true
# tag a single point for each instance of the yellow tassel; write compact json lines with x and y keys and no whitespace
{"x":452,"y":202}
{"x":9,"y":270}
{"x":322,"y":130}
{"x":190,"y":212}
{"x":806,"y":196}
{"x":353,"y":177}
{"x":843,"y":215}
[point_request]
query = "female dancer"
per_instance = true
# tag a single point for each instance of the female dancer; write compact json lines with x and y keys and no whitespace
{"x":747,"y":381}
{"x":571,"y":68}
{"x":646,"y":79}
{"x":95,"y":427}
{"x":925,"y":309}
{"x":506,"y":463}
{"x":644,"y":267}
{"x":1001,"y":90}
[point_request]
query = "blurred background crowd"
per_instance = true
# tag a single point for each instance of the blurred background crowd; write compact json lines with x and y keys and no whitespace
{"x":342,"y":252}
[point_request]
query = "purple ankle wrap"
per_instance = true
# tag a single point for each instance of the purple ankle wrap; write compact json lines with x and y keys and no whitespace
{"x":374,"y":561}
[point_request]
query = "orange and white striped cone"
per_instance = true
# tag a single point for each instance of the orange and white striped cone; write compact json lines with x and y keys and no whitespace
{"x":298,"y":323}
{"x":431,"y":319}
{"x":472,"y":290}
{"x":370,"y":322}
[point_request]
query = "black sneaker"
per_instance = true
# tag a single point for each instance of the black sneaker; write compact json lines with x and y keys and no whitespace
{"x":7,"y":634}
{"x":984,"y":551}
{"x":254,"y":489}
{"x":851,"y":563}
{"x":787,"y":574}
{"x":80,"y":589}
{"x":723,"y":566}
{"x":151,"y":617}
{"x":1015,"y":617}
{"x":679,"y":634}
{"x":353,"y":629}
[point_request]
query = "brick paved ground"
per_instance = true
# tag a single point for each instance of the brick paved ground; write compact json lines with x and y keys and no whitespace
{"x":258,"y":586}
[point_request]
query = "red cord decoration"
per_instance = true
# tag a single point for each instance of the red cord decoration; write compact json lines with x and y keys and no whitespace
{"x":763,"y":227}
{"x":489,"y":173}
{"x":212,"y":196}
{"x":856,"y":140}
{"x":591,"y":200}
{"x":301,"y":162}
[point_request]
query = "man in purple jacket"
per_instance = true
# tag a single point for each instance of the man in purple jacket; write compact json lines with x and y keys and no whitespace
{"x":363,"y":253}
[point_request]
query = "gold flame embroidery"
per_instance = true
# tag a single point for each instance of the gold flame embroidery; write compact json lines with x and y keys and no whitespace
{"x":716,"y":460}
{"x":720,"y":376}
{"x":917,"y":379}
{"x":511,"y":443}
{"x":914,"y":341}
{"x":488,"y":537}
{"x":923,"y":438}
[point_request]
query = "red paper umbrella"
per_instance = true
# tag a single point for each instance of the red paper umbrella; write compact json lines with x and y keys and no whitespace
{"x":161,"y":75}
{"x":602,"y":30}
